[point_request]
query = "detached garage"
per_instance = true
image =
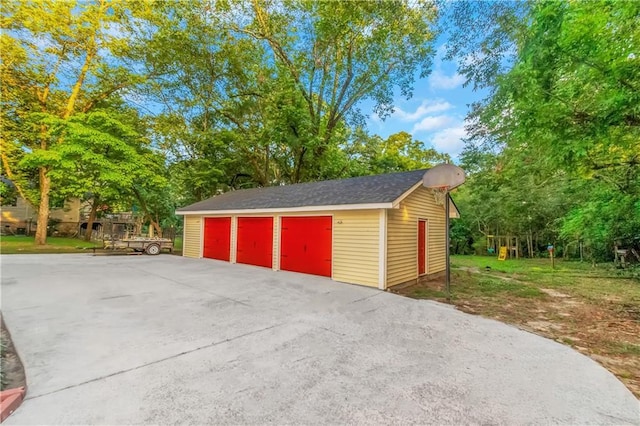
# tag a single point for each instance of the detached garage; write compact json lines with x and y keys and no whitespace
{"x":377,"y":231}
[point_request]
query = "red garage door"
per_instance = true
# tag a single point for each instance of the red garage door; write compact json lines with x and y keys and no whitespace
{"x":217,"y":238}
{"x":305,"y":245}
{"x":255,"y":241}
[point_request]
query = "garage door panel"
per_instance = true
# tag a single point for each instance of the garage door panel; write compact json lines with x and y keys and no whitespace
{"x":217,"y":238}
{"x":255,"y":241}
{"x":421,"y":247}
{"x":306,"y":243}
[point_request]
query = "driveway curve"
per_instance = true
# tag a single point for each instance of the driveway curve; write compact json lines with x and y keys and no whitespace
{"x":165,"y":339}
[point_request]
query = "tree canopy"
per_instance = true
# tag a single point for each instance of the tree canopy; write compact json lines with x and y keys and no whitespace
{"x":559,"y":132}
{"x":155,"y":104}
{"x":59,"y":59}
{"x":150,"y":105}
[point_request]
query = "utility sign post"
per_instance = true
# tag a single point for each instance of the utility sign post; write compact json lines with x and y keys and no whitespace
{"x":442,"y":179}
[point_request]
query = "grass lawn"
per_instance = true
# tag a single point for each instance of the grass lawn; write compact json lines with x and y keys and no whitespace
{"x":594,"y":310}
{"x":22,"y":244}
{"x":177,"y":246}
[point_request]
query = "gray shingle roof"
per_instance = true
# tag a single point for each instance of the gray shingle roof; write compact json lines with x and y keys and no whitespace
{"x":359,"y":190}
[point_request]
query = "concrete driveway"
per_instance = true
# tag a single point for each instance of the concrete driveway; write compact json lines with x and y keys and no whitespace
{"x":165,"y":339}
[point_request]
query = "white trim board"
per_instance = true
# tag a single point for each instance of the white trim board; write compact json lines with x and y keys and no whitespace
{"x":396,"y":202}
{"x":382,"y":250}
{"x":370,"y":206}
{"x":201,"y":254}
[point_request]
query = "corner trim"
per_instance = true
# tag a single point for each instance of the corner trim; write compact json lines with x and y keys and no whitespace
{"x":201,"y":238}
{"x":184,"y":234}
{"x":382,"y":250}
{"x":234,"y":239}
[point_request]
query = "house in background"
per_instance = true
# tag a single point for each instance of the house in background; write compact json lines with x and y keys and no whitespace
{"x":376,"y":231}
{"x":19,"y":217}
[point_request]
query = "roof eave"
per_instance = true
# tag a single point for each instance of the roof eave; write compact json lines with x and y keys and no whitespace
{"x":364,"y":206}
{"x":396,"y":202}
{"x":454,"y":214}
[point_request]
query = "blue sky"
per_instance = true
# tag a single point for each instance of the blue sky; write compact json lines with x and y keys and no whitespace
{"x":436,"y":112}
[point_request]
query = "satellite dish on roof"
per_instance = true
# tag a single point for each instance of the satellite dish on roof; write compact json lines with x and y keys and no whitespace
{"x":444,"y":176}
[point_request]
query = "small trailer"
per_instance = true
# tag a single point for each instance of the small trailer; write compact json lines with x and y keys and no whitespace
{"x":151,"y":246}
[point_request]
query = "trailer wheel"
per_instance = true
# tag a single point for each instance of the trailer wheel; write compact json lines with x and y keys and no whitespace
{"x":153,"y":249}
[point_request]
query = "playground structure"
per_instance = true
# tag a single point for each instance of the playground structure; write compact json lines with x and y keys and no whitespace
{"x":625,"y":252}
{"x":511,"y":242}
{"x":624,"y":255}
{"x":120,"y":225}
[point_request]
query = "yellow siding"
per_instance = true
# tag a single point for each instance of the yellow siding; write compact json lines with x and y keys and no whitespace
{"x":356,"y":242}
{"x":234,"y":240}
{"x":192,"y":236}
{"x":402,"y":237}
{"x":276,"y":243}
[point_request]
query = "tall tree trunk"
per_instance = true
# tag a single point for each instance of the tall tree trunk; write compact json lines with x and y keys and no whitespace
{"x":92,"y":218}
{"x":8,"y":169}
{"x":298,"y":171}
{"x":92,"y":50}
{"x":530,"y":242}
{"x":154,"y":225}
{"x":266,"y":165}
{"x":45,"y":180}
{"x":43,"y":208}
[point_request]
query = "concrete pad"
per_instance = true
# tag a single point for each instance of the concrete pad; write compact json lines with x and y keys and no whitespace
{"x":164,"y":339}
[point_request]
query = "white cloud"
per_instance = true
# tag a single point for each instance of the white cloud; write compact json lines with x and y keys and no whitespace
{"x":426,"y":107}
{"x":439,"y":80}
{"x":432,"y":123}
{"x":449,"y":140}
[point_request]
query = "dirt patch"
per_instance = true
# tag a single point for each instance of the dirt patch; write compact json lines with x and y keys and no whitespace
{"x":554,"y":293}
{"x":607,"y":329}
{"x":469,"y":269}
{"x":544,"y":326}
{"x":12,"y":371}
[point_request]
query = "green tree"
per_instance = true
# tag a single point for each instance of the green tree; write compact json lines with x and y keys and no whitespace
{"x":399,"y":152}
{"x":58,"y":59}
{"x":265,"y":93}
{"x":104,"y":157}
{"x":340,"y":53}
{"x":562,"y":112}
